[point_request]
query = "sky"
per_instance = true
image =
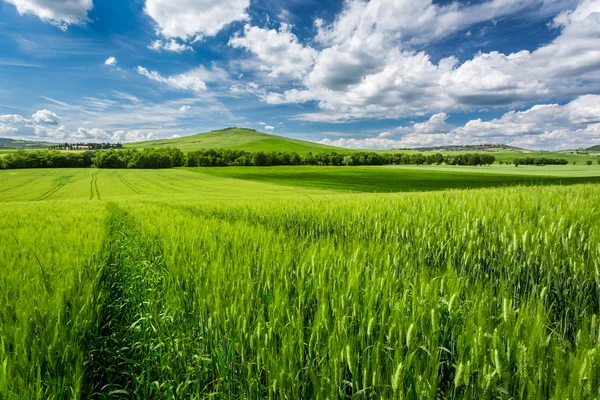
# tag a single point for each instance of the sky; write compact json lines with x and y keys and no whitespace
{"x":364,"y":74}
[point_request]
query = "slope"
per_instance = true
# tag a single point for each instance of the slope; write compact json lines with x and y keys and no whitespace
{"x":239,"y":139}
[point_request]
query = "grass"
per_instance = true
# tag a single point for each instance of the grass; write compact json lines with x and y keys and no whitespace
{"x":106,"y":184}
{"x":239,"y":139}
{"x":405,"y":178}
{"x":185,"y":284}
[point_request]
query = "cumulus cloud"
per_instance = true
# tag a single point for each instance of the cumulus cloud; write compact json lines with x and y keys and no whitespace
{"x":184,"y":108}
{"x":279,"y":51}
{"x":169,"y":45}
{"x":110,"y":61}
{"x":43,"y":125}
{"x":269,"y":127}
{"x":46,"y":117}
{"x":188,"y":20}
{"x":132,"y":136}
{"x":545,"y":126}
{"x":367,"y":66}
{"x":420,"y":21}
{"x":61,"y":13}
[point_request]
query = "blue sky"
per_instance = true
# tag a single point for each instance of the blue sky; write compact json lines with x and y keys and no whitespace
{"x":376,"y":74}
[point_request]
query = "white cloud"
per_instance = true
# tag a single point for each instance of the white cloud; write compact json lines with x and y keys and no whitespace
{"x":544,"y":126}
{"x":46,"y":117}
{"x":420,"y":21}
{"x":110,"y":61}
{"x":169,"y":45}
{"x":61,"y":13}
{"x":269,"y":127}
{"x":184,"y":108}
{"x":37,"y":128}
{"x":366,"y":68}
{"x":193,"y":80}
{"x":132,"y":136}
{"x":93,"y":134}
{"x":279,"y":51}
{"x":187,"y":19}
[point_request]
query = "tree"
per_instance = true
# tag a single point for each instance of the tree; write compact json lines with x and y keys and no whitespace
{"x":589,"y":162}
{"x":349,"y":161}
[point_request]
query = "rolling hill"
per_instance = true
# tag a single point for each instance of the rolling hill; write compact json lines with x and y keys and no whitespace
{"x":239,"y":139}
{"x":6,"y":143}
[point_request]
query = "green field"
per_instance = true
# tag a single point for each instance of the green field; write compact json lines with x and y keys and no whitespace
{"x":300,"y":282}
{"x":238,"y":139}
{"x":408,"y":178}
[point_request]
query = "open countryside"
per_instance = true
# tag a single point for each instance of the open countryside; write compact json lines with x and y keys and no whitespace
{"x":120,"y":283}
{"x":298,"y":200}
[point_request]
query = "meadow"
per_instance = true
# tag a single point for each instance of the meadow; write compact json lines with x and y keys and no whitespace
{"x":407,"y":178}
{"x":279,"y":283}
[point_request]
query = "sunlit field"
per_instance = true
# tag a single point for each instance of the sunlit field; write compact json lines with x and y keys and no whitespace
{"x":246,"y":283}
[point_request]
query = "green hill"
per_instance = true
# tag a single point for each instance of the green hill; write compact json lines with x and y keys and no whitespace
{"x":6,"y":143}
{"x":239,"y":139}
{"x":594,"y":148}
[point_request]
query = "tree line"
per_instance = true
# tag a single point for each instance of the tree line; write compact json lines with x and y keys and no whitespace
{"x":540,"y":161}
{"x":168,"y":157}
{"x":225,"y":157}
{"x":131,"y":158}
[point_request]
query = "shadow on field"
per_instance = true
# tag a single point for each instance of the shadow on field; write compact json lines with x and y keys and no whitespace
{"x":385,"y":180}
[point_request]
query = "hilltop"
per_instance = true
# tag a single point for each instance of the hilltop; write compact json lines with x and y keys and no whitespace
{"x":239,"y":139}
{"x":594,"y":148}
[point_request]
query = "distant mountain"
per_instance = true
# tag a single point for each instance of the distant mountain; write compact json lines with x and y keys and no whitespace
{"x":6,"y":143}
{"x":239,"y":139}
{"x":472,"y":147}
{"x":594,"y":148}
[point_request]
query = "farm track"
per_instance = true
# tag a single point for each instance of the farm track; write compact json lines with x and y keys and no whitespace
{"x":126,"y":183}
{"x":62,"y":182}
{"x":94,"y":187}
{"x":18,"y":186}
{"x":116,"y":356}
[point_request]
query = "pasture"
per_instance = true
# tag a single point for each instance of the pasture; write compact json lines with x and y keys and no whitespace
{"x":300,"y":282}
{"x":406,"y":178}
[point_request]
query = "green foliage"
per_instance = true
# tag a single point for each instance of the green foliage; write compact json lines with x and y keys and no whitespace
{"x":46,"y":159}
{"x":148,"y":158}
{"x":169,"y":157}
{"x":540,"y":161}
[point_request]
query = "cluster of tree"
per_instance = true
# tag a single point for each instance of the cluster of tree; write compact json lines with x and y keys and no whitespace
{"x":540,"y":161}
{"x":47,"y":159}
{"x":168,"y":157}
{"x":234,"y":128}
{"x":148,"y":158}
{"x":90,"y":146}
